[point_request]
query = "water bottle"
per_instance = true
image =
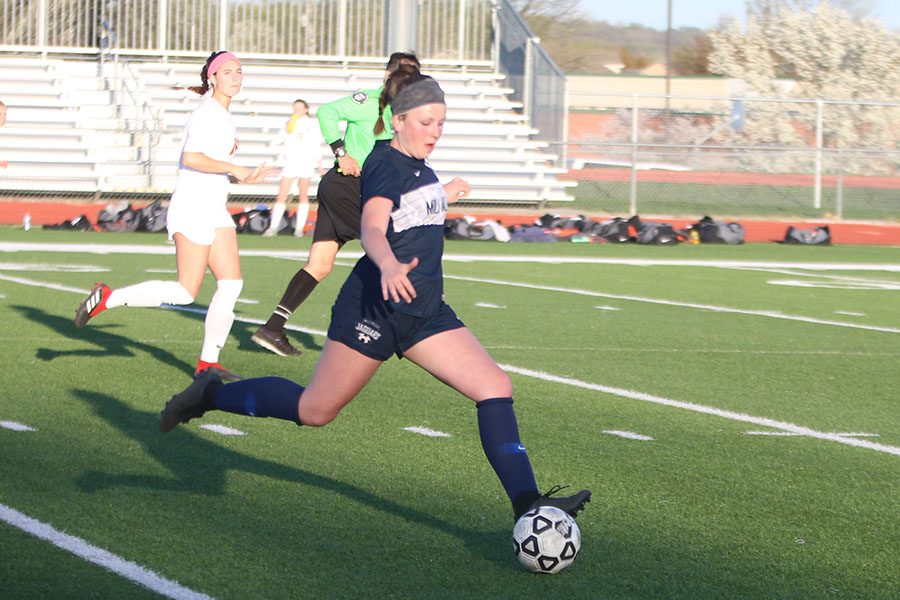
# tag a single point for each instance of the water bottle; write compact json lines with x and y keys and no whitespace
{"x":26,"y":221}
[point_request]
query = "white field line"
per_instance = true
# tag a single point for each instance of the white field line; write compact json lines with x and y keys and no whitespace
{"x":82,"y":549}
{"x":202,"y":311}
{"x":788,"y":433}
{"x":44,"y":284}
{"x":707,"y":410}
{"x":16,"y":426}
{"x":47,"y":268}
{"x":801,"y":273}
{"x":836,"y":285}
{"x":488,"y":305}
{"x":426,"y":432}
{"x":709,"y":307}
{"x":170,"y":250}
{"x":762,"y":421}
{"x":221,"y":429}
{"x":629,"y":435}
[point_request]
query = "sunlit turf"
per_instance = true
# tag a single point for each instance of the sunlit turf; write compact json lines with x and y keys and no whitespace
{"x":362,"y":508}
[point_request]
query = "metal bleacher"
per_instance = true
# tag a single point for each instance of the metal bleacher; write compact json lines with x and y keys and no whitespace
{"x":80,"y":126}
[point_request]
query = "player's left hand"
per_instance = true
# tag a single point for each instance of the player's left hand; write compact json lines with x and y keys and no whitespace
{"x":395,"y":285}
{"x":260,"y":174}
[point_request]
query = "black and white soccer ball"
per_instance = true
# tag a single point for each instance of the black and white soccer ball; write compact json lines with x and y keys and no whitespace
{"x":546,"y":539}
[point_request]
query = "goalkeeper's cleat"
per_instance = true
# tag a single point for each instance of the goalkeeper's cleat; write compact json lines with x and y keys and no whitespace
{"x":274,"y":342}
{"x":93,"y":305}
{"x":188,"y":404}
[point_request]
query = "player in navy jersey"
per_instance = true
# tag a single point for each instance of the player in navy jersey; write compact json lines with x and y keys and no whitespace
{"x":392,"y":303}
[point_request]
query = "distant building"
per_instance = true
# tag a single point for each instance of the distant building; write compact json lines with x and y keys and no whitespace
{"x":604,"y":92}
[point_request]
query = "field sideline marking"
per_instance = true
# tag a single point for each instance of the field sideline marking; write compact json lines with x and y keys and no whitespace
{"x":700,"y":408}
{"x":169,"y":249}
{"x":109,"y":561}
{"x":709,"y":307}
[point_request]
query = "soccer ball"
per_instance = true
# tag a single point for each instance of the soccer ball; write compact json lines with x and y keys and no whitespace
{"x":546,"y":539}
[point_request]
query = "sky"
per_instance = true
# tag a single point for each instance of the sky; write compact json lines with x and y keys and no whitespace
{"x":694,"y":13}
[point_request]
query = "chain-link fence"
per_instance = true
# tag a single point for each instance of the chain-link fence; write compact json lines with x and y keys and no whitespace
{"x":737,"y":157}
{"x":537,"y":81}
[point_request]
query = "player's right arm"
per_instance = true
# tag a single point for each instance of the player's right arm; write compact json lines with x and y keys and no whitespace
{"x":395,"y":284}
{"x":203,"y":163}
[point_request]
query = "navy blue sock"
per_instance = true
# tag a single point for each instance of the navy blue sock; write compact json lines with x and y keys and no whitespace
{"x":504,"y":450}
{"x":262,"y":397}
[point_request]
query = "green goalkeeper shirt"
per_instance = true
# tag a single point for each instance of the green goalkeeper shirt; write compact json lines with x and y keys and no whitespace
{"x":360,"y":112}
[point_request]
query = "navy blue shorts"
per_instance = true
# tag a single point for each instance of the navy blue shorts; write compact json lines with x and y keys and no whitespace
{"x":380,"y":333}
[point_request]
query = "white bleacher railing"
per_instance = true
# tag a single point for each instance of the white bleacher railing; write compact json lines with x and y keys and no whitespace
{"x":456,"y":33}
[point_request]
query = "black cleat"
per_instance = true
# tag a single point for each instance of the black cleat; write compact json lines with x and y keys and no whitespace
{"x":224,"y":374}
{"x":187,"y":404}
{"x":93,"y":305}
{"x":571,"y":504}
{"x":274,"y":342}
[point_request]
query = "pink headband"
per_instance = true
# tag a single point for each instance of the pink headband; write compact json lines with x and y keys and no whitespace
{"x":219,"y":60}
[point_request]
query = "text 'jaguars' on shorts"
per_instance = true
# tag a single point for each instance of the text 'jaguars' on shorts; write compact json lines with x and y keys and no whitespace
{"x":379,"y":334}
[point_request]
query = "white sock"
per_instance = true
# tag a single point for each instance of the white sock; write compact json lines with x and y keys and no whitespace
{"x":277,"y":214}
{"x":219,"y":318}
{"x":149,"y":293}
{"x":300,"y":221}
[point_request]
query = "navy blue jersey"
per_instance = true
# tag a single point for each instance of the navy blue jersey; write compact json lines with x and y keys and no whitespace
{"x":415,"y":228}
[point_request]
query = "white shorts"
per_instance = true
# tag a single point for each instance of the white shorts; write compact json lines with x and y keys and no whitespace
{"x":299,"y":166}
{"x":200,"y":229}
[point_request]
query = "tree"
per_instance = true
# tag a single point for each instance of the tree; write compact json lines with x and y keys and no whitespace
{"x":828,"y":55}
{"x":692,"y":58}
{"x":633,"y":62}
{"x":765,"y":8}
{"x":555,"y":22}
{"x":554,"y":10}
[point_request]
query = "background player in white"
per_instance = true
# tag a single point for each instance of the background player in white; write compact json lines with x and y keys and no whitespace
{"x":302,"y":144}
{"x":198,"y":220}
{"x":392,"y":303}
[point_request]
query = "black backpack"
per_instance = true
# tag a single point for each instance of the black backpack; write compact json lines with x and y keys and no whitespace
{"x":612,"y":230}
{"x":710,"y":231}
{"x":120,"y":217}
{"x":153,"y":217}
{"x":817,"y":236}
{"x":254,"y":220}
{"x":648,"y":232}
{"x":80,"y":223}
{"x":549,"y":221}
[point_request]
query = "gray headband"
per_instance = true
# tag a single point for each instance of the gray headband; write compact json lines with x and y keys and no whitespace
{"x":420,"y":93}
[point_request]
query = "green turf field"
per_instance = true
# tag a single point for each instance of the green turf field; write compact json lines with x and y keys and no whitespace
{"x":734,"y":410}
